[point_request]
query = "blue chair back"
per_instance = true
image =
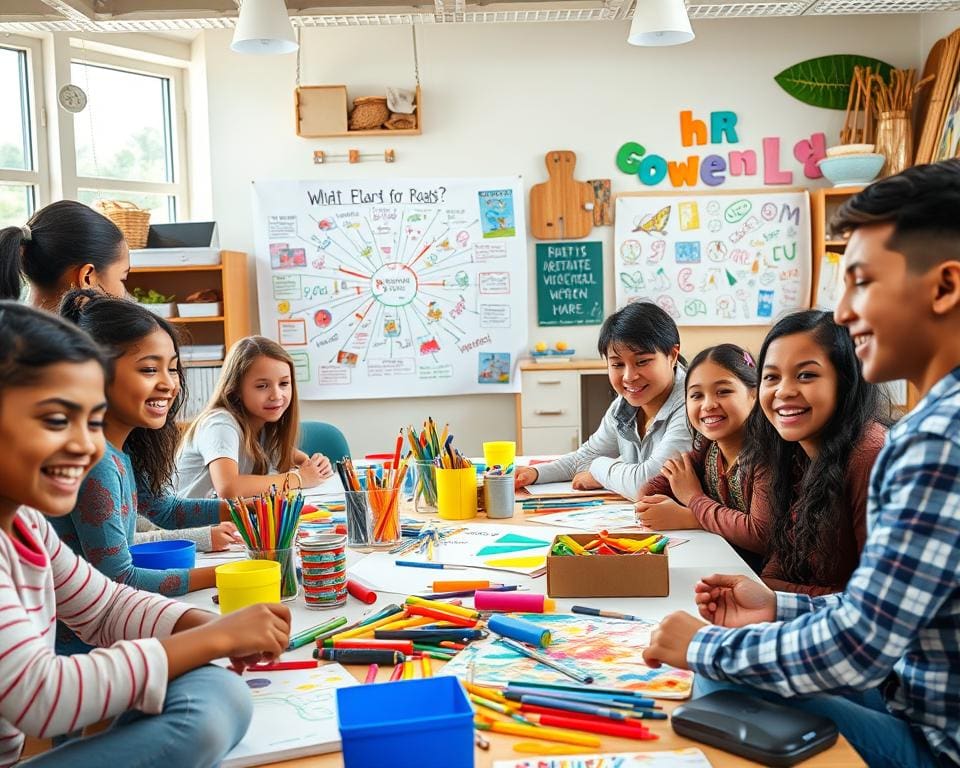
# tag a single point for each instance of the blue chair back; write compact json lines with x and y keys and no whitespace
{"x":320,"y":437}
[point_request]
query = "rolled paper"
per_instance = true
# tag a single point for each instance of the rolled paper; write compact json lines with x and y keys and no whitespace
{"x":519,"y":629}
{"x":513,"y":602}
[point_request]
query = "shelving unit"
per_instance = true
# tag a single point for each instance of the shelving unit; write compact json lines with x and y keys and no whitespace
{"x":320,"y":111}
{"x":823,"y":205}
{"x":229,"y":277}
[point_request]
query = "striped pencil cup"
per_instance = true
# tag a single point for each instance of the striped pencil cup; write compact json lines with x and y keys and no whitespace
{"x":457,"y":493}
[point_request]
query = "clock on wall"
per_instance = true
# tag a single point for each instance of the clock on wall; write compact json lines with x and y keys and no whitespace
{"x":72,"y":98}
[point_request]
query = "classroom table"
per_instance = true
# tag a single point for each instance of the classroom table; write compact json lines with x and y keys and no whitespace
{"x":702,"y":554}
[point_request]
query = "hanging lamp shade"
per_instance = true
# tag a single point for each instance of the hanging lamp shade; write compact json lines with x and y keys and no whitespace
{"x":263,"y":28}
{"x":660,"y":22}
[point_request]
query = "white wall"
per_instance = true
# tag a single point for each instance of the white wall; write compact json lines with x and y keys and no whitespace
{"x":933,"y":26}
{"x":496,"y":98}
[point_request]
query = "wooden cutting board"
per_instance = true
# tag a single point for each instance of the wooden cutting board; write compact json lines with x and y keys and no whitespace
{"x":922,"y":100}
{"x":558,"y":207}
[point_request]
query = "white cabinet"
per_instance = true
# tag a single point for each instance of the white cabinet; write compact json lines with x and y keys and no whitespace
{"x":560,"y":405}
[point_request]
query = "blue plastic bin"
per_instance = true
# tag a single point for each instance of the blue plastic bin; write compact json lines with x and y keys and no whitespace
{"x":408,"y":724}
{"x":160,"y":555}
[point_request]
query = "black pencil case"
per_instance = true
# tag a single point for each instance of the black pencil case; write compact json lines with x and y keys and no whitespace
{"x":754,"y":728}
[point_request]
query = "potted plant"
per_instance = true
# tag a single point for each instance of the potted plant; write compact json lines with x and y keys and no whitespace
{"x":204,"y":303}
{"x":156,"y":302}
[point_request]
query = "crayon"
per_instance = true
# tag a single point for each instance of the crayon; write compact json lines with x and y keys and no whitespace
{"x":467,"y":613}
{"x":428,"y":635}
{"x":358,"y":656}
{"x":404,"y":646}
{"x":372,"y":673}
{"x":280,"y":666}
{"x":397,"y":672}
{"x":606,"y":729}
{"x":456,"y":586}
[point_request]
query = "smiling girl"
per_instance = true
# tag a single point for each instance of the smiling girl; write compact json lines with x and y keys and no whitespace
{"x":249,"y":428}
{"x":144,"y":395}
{"x":709,"y":487}
{"x":645,"y":425}
{"x":817,"y":432}
{"x":148,"y":672}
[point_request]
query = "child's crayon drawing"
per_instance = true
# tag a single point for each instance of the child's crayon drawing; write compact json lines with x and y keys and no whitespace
{"x":674,"y":758}
{"x":608,"y":649}
{"x":294,"y":714}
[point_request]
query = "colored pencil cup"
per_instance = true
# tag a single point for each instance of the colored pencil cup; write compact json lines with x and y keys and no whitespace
{"x":161,"y":555}
{"x":247,"y":582}
{"x":498,"y":496}
{"x":324,"y":566}
{"x":502,"y":452}
{"x":408,"y":724}
{"x":289,"y":588}
{"x":457,"y":493}
{"x":425,"y":486}
{"x":373,"y":518}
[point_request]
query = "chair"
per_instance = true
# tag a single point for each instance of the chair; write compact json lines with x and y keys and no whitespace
{"x":320,"y":437}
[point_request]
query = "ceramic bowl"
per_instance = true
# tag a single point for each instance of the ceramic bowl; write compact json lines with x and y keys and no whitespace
{"x":852,"y":170}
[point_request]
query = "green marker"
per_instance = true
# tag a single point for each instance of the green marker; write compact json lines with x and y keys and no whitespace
{"x":309,"y":635}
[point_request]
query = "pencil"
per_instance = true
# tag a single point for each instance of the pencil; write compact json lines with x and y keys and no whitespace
{"x":437,"y":566}
{"x":540,"y":732}
{"x":587,"y":611}
{"x":580,"y":677}
{"x":372,"y":673}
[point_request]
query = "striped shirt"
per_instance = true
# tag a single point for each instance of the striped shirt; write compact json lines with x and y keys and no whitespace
{"x":898,"y":623}
{"x":43,"y":694}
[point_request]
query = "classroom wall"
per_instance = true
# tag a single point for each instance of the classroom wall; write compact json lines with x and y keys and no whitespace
{"x":933,"y":26}
{"x":496,"y":98}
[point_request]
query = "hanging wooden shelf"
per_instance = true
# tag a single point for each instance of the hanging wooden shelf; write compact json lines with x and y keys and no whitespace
{"x":320,"y":111}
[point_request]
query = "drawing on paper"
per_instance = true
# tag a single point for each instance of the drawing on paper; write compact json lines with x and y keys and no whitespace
{"x":608,"y":649}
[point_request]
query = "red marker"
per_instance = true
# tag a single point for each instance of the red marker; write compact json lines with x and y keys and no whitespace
{"x":608,"y":728}
{"x":360,"y":592}
{"x":280,"y":666}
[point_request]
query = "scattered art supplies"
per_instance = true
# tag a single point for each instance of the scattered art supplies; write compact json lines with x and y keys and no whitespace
{"x":674,"y":758}
{"x":510,"y":548}
{"x":294,"y":715}
{"x":323,"y":559}
{"x":373,"y":503}
{"x":407,"y":724}
{"x":608,"y":650}
{"x":594,"y":517}
{"x":608,"y":565}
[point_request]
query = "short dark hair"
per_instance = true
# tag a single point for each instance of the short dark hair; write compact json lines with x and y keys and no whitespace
{"x":31,"y":340}
{"x":923,"y":205}
{"x":117,"y":324}
{"x":640,"y":326}
{"x":62,"y":235}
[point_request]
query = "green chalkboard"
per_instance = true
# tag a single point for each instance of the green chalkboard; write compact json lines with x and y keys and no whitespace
{"x":570,"y":283}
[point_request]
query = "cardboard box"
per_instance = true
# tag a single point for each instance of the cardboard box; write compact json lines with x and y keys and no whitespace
{"x":646,"y":575}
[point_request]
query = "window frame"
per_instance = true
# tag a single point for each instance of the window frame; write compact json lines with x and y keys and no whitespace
{"x":179,"y":188}
{"x":38,"y":178}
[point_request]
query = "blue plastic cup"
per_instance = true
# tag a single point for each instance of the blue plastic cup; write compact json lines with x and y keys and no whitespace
{"x":161,"y":555}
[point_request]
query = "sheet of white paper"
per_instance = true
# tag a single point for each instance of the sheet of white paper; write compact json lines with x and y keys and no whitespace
{"x":563,"y":489}
{"x":331,"y":487}
{"x":674,"y":758}
{"x":294,"y":715}
{"x":608,"y":517}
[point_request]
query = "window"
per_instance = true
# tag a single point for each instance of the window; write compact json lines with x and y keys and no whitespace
{"x":20,"y":177}
{"x":128,"y":141}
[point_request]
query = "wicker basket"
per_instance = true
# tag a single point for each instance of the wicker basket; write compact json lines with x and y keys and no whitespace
{"x":369,"y":112}
{"x":132,"y":221}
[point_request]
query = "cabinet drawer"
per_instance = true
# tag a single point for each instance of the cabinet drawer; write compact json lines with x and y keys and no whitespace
{"x":550,"y":399}
{"x":541,"y":441}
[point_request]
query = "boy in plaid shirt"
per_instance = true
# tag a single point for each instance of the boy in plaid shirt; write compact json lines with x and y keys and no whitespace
{"x":883,"y":658}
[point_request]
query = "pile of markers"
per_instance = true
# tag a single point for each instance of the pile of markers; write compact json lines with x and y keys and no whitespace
{"x":268,"y":521}
{"x":605,"y":544}
{"x":427,"y":446}
{"x":569,"y":714}
{"x":383,"y":494}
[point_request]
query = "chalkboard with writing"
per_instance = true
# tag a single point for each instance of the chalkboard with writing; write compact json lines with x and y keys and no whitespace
{"x":570,"y":283}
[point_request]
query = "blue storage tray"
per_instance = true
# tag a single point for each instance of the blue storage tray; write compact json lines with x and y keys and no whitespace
{"x":407,"y":724}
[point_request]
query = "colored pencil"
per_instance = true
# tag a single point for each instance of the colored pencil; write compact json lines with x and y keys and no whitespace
{"x":372,"y":673}
{"x":587,"y":709}
{"x":580,"y":677}
{"x":397,"y":672}
{"x":309,"y":635}
{"x":587,"y":611}
{"x":606,"y":729}
{"x":437,"y":566}
{"x":514,"y":692}
{"x":642,"y":701}
{"x":539,"y":732}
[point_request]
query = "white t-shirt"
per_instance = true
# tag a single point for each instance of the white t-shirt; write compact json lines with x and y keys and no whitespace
{"x":218,"y":436}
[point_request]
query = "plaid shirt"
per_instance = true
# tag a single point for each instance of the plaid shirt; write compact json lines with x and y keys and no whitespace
{"x":898,"y":623}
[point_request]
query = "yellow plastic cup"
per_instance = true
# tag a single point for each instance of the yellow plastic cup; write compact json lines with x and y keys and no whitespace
{"x":247,"y":582}
{"x":457,"y":493}
{"x":502,"y":452}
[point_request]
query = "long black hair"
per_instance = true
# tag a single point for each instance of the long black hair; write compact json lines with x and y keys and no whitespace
{"x":738,"y":361}
{"x":641,"y":327}
{"x":807,"y":496}
{"x":116,"y":325}
{"x":62,"y":235}
{"x":31,"y":340}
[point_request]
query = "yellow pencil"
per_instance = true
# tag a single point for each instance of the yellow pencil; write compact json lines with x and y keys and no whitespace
{"x":367,"y":628}
{"x":456,"y":610}
{"x":408,"y":670}
{"x":426,"y":670}
{"x":540,"y":732}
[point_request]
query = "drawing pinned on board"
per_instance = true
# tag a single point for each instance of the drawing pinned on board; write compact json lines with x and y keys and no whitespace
{"x":654,"y":223}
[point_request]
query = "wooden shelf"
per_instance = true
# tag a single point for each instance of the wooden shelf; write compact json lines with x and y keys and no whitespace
{"x":218,"y":319}
{"x":374,"y":132}
{"x":320,"y":111}
{"x":187,"y":268}
{"x":201,"y":363}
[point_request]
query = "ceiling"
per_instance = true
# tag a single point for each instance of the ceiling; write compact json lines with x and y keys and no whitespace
{"x":172,"y":15}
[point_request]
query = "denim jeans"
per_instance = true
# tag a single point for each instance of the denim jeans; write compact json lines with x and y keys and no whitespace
{"x":206,"y":713}
{"x":882,"y":739}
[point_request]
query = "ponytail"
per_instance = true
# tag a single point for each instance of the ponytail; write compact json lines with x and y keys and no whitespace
{"x":11,"y":278}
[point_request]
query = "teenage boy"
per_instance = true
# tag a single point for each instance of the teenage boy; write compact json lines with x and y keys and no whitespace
{"x":882,"y":659}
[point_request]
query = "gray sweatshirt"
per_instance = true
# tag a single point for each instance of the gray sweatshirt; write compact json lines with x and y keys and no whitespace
{"x":617,"y":456}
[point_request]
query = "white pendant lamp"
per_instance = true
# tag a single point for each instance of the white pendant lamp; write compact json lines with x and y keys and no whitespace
{"x":263,"y":28}
{"x":660,"y":22}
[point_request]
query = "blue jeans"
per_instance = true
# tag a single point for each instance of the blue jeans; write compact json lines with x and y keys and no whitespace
{"x":206,"y":713}
{"x":882,"y":739}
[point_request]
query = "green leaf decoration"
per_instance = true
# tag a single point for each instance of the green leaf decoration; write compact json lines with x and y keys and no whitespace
{"x":825,"y":81}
